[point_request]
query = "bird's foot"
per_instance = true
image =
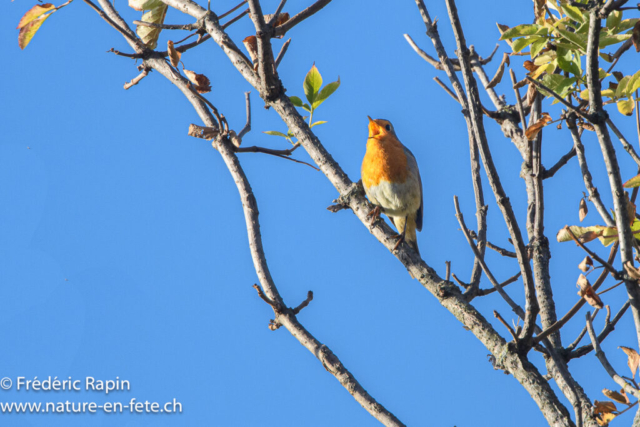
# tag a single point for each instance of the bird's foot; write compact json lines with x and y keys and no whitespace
{"x":374,"y":215}
{"x":400,"y":238}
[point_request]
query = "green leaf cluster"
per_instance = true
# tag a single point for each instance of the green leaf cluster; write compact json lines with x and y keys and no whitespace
{"x":315,"y":95}
{"x":557,"y":45}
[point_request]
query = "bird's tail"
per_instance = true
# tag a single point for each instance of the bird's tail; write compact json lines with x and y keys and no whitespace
{"x":410,"y":230}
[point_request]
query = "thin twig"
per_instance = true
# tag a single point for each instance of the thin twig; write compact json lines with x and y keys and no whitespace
{"x":447,"y":275}
{"x":274,"y":18}
{"x":577,"y":306}
{"x":304,"y":303}
{"x":136,"y":80}
{"x":506,"y":325}
{"x":237,"y":18}
{"x":559,"y":98}
{"x":247,"y":126}
{"x":283,"y":50}
{"x":233,"y":9}
{"x":573,"y":345}
{"x":628,"y":148}
{"x":446,"y":89}
{"x":605,"y":363}
{"x":186,"y":27}
{"x":518,"y":99}
{"x":592,"y":254}
{"x":298,"y":18}
{"x":510,"y":280}
{"x":548,"y":173}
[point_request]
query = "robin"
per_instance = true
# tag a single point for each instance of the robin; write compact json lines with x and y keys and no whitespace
{"x":391,"y":180}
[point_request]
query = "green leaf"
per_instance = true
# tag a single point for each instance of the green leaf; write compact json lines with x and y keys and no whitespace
{"x":614,"y":19}
{"x":625,"y":106}
{"x":634,"y":83}
{"x":312,"y":84}
{"x":275,"y":133}
{"x":609,"y":40}
{"x":519,"y":31}
{"x":321,"y":122}
{"x":633,"y":182}
{"x":573,"y":13}
{"x":306,"y":107}
{"x":567,"y":63}
{"x":626,"y":25}
{"x":578,"y":40}
{"x":325,"y":93}
{"x":520,"y":44}
{"x":537,"y":47}
{"x":296,"y":101}
{"x":559,"y":84}
{"x":622,"y":91}
{"x":29,"y":30}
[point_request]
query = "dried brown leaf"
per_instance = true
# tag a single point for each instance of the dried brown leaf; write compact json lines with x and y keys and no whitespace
{"x":603,"y":407}
{"x":631,"y":270}
{"x":282,"y":18}
{"x":251,"y":44}
{"x":587,"y":126}
{"x":631,"y":210}
{"x":586,"y":263}
{"x":583,"y":210}
{"x":498,"y":76}
{"x":531,"y":94}
{"x":633,"y":359}
{"x":635,"y":36}
{"x":502,"y":28}
{"x":174,"y":55}
{"x":538,"y":9}
{"x":533,"y":130}
{"x":530,"y":66}
{"x":614,"y":395}
{"x":200,"y":81}
{"x":587,"y":292}
{"x":202,"y":132}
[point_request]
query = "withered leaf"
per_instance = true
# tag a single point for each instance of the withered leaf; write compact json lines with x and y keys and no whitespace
{"x":174,"y":55}
{"x":531,"y":94}
{"x":200,"y":81}
{"x":150,"y":35}
{"x":28,"y":31}
{"x":631,"y":210}
{"x":614,"y":395}
{"x":33,"y":13}
{"x":587,"y":126}
{"x":203,"y":132}
{"x":585,"y":264}
{"x":633,"y":359}
{"x":498,"y":76}
{"x":522,"y":83}
{"x":605,"y":418}
{"x":533,"y":130}
{"x":251,"y":44}
{"x":583,"y":210}
{"x":631,"y":270}
{"x":603,"y":407}
{"x":530,"y":66}
{"x":282,"y":18}
{"x":538,"y":9}
{"x":619,"y":76}
{"x":503,"y":28}
{"x":587,"y":292}
{"x":635,"y":36}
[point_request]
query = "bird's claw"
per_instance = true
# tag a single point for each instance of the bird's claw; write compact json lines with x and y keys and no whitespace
{"x":374,"y":215}
{"x":400,"y":238}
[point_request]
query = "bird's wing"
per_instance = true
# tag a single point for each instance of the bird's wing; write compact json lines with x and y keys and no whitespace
{"x":413,"y":164}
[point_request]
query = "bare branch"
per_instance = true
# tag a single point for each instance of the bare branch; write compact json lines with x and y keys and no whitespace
{"x":605,"y":363}
{"x":506,"y":325}
{"x":548,"y":173}
{"x":606,"y":330}
{"x":186,"y":27}
{"x":283,"y":50}
{"x":560,"y":323}
{"x":628,"y":148}
{"x":233,"y":9}
{"x":137,"y":79}
{"x":311,"y":10}
{"x":510,"y":280}
{"x":304,"y":303}
{"x":247,"y":126}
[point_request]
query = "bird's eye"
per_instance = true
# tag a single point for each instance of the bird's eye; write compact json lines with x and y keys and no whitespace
{"x":388,"y":127}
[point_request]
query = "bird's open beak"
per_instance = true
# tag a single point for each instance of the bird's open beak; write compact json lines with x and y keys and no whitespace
{"x":374,"y":128}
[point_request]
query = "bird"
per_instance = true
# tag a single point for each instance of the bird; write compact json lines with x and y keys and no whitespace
{"x":391,"y":181}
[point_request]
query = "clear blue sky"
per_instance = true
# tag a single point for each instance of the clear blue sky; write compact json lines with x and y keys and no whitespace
{"x":123,"y":250}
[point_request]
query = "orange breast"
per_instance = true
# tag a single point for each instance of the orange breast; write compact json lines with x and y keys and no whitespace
{"x":385,"y":160}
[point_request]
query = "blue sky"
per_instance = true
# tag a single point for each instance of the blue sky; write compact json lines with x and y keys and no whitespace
{"x":124,"y":251}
